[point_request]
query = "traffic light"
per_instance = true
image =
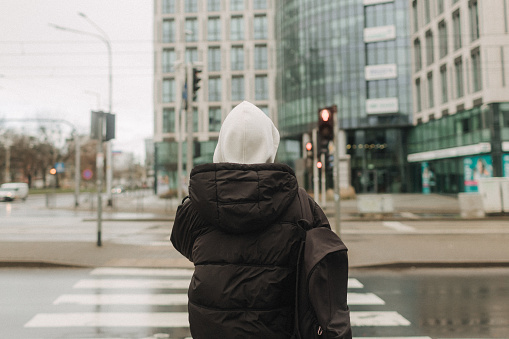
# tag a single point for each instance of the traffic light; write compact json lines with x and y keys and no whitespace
{"x":309,"y":149}
{"x":325,"y":127}
{"x":196,"y":80}
{"x":319,"y":164}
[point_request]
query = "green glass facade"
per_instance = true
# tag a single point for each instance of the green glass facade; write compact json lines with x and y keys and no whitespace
{"x":326,"y":56}
{"x":446,"y":146}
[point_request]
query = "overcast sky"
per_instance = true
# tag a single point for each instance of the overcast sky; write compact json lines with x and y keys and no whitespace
{"x":49,"y":73}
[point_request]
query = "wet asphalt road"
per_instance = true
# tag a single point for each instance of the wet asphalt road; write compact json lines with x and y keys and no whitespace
{"x":439,"y":303}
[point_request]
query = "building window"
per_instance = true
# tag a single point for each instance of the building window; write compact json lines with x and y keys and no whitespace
{"x":476,"y":69}
{"x":169,"y":59}
{"x":214,"y":29}
{"x":260,"y":27}
{"x":196,"y":119}
{"x":456,"y":23}
{"x":431,"y":97}
{"x":261,"y":87}
{"x":168,"y":31}
{"x":265,"y":110}
{"x":443,"y":81}
{"x":442,"y":36}
{"x":214,"y":59}
{"x":192,"y":28}
{"x":458,"y":70}
{"x":238,"y":89}
{"x":427,"y":11}
{"x":430,"y":49}
{"x":191,"y":6}
{"x":214,"y":119}
{"x":417,"y":54}
{"x":168,"y":120}
{"x":415,"y":12}
{"x":440,"y":6}
{"x":214,"y":86}
{"x":191,"y":55}
{"x":418,"y":95}
{"x":260,"y":4}
{"x":168,"y":6}
{"x":237,"y":28}
{"x":168,"y":90}
{"x":236,"y":5}
{"x":214,"y":5}
{"x":261,"y":57}
{"x":237,"y":58}
{"x":474,"y":20}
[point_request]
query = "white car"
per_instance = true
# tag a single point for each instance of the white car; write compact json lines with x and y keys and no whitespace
{"x":13,"y":190}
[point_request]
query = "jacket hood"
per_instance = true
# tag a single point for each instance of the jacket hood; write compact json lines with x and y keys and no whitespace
{"x":240,"y":198}
{"x":247,"y":136}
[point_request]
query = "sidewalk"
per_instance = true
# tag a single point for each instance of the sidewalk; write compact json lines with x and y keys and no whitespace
{"x":366,"y":250}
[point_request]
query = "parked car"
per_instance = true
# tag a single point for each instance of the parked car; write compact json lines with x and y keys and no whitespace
{"x":118,"y":189}
{"x":14,"y":190}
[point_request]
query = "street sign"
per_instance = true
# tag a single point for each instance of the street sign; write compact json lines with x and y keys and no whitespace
{"x":87,"y":174}
{"x":59,"y":166}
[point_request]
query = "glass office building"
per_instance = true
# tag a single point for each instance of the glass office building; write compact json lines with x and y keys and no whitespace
{"x":354,"y":54}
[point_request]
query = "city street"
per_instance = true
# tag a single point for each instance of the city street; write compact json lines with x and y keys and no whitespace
{"x":415,"y":277}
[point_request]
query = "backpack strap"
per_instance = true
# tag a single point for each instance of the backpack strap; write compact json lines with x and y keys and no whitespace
{"x":306,"y":212}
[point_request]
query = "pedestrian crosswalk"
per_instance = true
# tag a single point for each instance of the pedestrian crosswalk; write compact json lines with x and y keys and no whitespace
{"x":156,"y":299}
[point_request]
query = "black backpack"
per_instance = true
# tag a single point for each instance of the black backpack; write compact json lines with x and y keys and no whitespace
{"x":321,"y":309}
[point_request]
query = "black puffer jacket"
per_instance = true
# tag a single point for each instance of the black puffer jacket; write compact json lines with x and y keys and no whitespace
{"x":240,"y":230}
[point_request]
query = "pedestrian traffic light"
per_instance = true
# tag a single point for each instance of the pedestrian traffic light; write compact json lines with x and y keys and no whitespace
{"x":196,"y":80}
{"x":325,"y":127}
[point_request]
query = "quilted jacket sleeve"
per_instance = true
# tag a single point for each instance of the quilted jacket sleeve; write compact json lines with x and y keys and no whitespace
{"x":187,"y":227}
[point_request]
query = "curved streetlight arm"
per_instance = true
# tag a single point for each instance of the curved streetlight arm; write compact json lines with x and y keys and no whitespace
{"x":62,"y":28}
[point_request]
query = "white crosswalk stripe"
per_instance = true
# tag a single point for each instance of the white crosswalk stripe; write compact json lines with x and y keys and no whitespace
{"x":117,"y":288}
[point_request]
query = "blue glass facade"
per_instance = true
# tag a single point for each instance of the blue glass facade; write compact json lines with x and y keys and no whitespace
{"x":357,"y":57}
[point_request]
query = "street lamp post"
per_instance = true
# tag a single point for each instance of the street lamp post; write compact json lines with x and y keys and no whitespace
{"x":104,"y":38}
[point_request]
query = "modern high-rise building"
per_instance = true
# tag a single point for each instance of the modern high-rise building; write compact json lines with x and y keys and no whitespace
{"x":460,"y":82}
{"x":232,"y":42}
{"x":354,"y":54}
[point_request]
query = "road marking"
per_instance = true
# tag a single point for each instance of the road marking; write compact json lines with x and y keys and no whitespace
{"x":398,"y":226}
{"x":163,"y":272}
{"x":354,"y":283}
{"x":110,"y":319}
{"x":132,"y":283}
{"x":409,"y":215}
{"x":364,"y":299}
{"x":176,"y":319}
{"x":122,"y":299}
{"x":378,"y":319}
{"x":174,"y":299}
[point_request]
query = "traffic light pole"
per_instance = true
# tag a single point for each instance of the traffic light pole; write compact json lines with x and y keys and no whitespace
{"x":315,"y":169}
{"x":336,"y":172}
{"x":189,"y":120}
{"x":100,"y":175}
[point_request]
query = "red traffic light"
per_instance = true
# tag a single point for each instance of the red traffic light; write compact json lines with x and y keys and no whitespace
{"x":319,"y":164}
{"x":309,"y":146}
{"x":325,"y":115}
{"x":53,"y":171}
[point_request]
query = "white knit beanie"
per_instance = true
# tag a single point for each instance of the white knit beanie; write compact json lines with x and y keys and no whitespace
{"x":247,"y":136}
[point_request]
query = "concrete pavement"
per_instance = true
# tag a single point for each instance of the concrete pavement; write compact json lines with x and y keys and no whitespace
{"x":370,"y":245}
